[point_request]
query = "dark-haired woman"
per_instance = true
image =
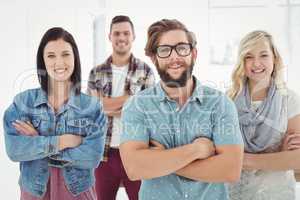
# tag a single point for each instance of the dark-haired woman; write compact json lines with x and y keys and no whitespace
{"x":55,"y":132}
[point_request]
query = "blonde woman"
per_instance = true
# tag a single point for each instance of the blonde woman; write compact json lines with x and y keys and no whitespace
{"x":269,"y":117}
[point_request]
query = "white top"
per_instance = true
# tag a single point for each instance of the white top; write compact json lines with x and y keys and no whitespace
{"x":118,"y":83}
{"x":293,"y":104}
{"x":255,"y":104}
{"x":266,"y":184}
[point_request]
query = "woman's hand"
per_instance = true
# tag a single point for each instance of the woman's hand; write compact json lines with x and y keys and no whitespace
{"x":25,"y":128}
{"x":291,"y":142}
{"x":69,"y":141}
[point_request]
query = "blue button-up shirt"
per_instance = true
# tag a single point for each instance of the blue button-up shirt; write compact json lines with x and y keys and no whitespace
{"x":81,"y":115}
{"x":152,"y":115}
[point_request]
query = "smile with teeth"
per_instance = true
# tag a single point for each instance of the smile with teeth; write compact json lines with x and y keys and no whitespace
{"x":175,"y":66}
{"x":121,"y":43}
{"x":60,"y":70}
{"x":257,"y":71}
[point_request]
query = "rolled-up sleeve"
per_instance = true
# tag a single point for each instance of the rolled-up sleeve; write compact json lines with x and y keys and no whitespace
{"x":226,"y":128}
{"x":133,"y":119}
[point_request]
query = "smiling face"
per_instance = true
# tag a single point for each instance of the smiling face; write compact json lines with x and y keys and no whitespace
{"x":59,"y":60}
{"x":175,"y":70}
{"x":259,"y":62}
{"x":121,"y":37}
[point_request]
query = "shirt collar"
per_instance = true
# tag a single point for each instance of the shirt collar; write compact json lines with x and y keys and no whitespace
{"x":198,"y":92}
{"x":196,"y":96}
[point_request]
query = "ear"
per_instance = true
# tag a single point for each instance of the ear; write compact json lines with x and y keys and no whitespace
{"x":194,"y":54}
{"x":109,"y":36}
{"x":153,"y":59}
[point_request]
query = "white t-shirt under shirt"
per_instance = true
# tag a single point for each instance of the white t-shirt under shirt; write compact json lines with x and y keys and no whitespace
{"x":118,"y":83}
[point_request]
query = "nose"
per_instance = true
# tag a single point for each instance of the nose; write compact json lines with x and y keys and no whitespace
{"x":122,"y":37}
{"x":59,"y":62}
{"x":173,"y":55}
{"x":256,"y":62}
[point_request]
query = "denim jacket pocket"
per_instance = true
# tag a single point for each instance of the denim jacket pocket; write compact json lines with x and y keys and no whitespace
{"x":36,"y":122}
{"x":40,"y":124}
{"x":79,"y":126}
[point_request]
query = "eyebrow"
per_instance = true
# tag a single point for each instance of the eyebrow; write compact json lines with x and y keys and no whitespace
{"x":264,"y":51}
{"x":164,"y":44}
{"x":65,"y":51}
{"x":126,"y":31}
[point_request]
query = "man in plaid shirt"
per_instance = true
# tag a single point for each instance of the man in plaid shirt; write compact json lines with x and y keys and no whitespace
{"x":120,"y":76}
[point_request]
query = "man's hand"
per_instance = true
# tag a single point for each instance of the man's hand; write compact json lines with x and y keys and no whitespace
{"x":113,"y":105}
{"x":205,"y":147}
{"x":156,"y":145}
{"x":25,"y":128}
{"x":114,"y":113}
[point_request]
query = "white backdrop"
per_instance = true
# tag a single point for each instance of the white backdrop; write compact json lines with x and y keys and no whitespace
{"x":24,"y":22}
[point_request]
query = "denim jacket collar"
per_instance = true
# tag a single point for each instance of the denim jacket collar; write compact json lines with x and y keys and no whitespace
{"x":74,"y":100}
{"x":42,"y":98}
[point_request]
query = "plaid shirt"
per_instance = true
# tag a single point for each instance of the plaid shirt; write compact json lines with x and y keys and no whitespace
{"x":139,"y":77}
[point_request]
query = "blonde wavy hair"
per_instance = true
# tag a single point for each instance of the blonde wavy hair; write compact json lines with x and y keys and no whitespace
{"x":247,"y":43}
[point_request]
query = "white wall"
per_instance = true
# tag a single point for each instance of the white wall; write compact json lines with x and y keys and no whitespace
{"x":23,"y":23}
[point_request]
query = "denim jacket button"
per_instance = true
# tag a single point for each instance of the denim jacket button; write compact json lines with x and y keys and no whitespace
{"x":51,"y":148}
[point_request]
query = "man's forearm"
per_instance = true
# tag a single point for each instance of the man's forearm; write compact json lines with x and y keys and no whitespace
{"x":150,"y":163}
{"x":113,"y":104}
{"x":223,"y":167}
{"x":114,"y":113}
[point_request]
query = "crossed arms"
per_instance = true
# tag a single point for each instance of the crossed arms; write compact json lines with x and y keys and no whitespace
{"x":200,"y":161}
{"x":286,"y":159}
{"x":112,"y":105}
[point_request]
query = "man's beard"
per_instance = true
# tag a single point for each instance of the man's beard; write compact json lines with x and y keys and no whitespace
{"x":179,"y":82}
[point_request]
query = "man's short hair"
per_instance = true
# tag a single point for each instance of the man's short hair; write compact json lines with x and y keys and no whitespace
{"x":156,"y":30}
{"x":120,"y":19}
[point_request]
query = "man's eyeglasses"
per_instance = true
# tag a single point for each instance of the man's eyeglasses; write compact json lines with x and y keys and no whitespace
{"x":182,"y":49}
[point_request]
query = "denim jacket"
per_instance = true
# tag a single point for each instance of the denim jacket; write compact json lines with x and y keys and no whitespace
{"x":81,"y":115}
